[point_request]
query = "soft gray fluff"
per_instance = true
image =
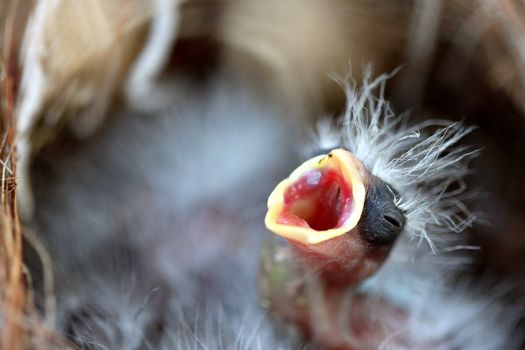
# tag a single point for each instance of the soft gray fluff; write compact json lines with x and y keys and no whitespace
{"x":154,"y":224}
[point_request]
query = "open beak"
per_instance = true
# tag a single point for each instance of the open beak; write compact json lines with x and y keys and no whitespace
{"x":335,"y":213}
{"x":322,"y":199}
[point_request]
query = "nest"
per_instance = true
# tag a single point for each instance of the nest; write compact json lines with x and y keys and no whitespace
{"x":466,"y":52}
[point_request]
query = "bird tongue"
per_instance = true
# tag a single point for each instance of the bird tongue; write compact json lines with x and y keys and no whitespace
{"x":321,"y":200}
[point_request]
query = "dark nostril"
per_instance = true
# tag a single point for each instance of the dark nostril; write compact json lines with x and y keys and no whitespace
{"x":395,"y":222}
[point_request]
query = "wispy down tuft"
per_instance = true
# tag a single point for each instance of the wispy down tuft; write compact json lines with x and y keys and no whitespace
{"x":424,"y":162}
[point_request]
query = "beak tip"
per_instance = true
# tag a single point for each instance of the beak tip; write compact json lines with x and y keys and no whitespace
{"x":383,"y":221}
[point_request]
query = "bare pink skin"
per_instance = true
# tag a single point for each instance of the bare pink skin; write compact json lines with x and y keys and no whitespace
{"x":342,"y":261}
{"x":336,"y":318}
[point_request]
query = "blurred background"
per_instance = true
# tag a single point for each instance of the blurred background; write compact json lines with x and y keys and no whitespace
{"x":130,"y":117}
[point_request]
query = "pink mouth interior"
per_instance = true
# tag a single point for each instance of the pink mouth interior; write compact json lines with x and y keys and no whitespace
{"x":320,"y":200}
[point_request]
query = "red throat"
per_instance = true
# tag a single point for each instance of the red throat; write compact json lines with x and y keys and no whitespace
{"x":321,"y":200}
